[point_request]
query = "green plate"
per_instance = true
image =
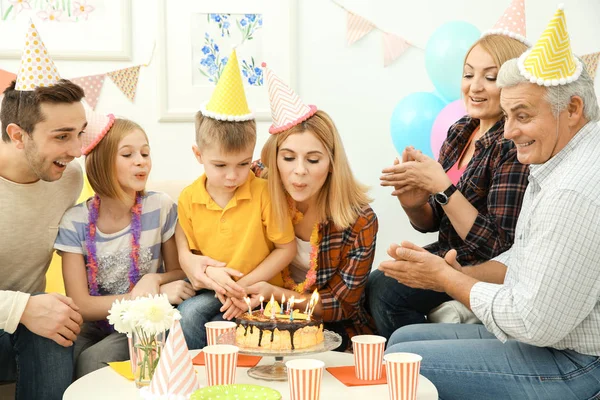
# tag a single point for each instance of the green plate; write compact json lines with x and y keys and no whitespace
{"x":236,"y":392}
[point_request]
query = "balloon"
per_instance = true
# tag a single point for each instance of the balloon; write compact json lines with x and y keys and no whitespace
{"x":412,"y":120}
{"x":444,"y":56}
{"x":445,"y":119}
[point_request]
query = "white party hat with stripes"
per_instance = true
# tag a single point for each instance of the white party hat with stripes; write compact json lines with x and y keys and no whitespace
{"x":511,"y":23}
{"x":175,"y":376}
{"x":287,"y":109}
{"x":551,"y":62}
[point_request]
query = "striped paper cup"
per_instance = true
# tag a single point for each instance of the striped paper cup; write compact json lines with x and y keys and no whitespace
{"x":304,"y":377}
{"x":215,"y":329}
{"x":221,"y":361}
{"x":368,"y":356}
{"x":402,"y":375}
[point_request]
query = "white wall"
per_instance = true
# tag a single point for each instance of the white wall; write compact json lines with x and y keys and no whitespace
{"x":349,"y":83}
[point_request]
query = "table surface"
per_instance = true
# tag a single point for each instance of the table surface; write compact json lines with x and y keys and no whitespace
{"x":105,"y":383}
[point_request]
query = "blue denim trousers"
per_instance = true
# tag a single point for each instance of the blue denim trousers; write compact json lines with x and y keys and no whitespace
{"x":468,"y":362}
{"x":197,"y":311}
{"x":42,"y":368}
{"x":394,"y":305}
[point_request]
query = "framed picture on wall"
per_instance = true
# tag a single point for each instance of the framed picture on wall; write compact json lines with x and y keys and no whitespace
{"x":70,"y":29}
{"x":195,"y":41}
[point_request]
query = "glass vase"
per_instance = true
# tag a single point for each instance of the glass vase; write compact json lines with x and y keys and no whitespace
{"x":147,"y":349}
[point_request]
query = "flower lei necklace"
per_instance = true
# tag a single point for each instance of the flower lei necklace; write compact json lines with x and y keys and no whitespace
{"x":90,"y":243}
{"x":311,"y":275}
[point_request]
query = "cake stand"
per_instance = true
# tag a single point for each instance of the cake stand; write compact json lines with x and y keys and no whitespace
{"x":278,"y":371}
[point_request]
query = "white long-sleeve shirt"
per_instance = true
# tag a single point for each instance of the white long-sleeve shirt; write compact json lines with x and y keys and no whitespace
{"x":29,"y":219}
{"x":551,"y":292}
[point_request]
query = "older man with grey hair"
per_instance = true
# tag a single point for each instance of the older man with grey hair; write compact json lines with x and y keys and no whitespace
{"x":539,"y":301}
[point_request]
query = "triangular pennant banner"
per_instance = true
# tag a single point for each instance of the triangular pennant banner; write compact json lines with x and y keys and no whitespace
{"x":91,"y":85}
{"x":6,"y":79}
{"x":393,"y":47}
{"x":357,"y":27}
{"x":591,"y":63}
{"x":126,"y":79}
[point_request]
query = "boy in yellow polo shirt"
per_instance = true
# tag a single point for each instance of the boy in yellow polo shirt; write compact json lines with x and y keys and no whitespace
{"x":226,"y":213}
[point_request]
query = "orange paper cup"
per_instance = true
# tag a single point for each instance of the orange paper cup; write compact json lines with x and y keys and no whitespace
{"x":221,"y":360}
{"x":402,"y":371}
{"x":304,"y":377}
{"x":215,"y":329}
{"x":368,"y":356}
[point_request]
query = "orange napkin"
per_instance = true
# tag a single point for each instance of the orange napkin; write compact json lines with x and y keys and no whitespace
{"x":347,"y":376}
{"x":123,"y":368}
{"x":242,"y":360}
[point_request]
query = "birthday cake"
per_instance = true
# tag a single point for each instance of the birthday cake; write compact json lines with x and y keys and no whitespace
{"x":273,"y":330}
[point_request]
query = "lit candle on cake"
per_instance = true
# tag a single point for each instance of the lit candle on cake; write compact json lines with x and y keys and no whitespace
{"x":247,"y":300}
{"x":282,"y":303}
{"x":314,"y":299}
{"x":272,"y":307}
{"x":261,"y":305}
{"x":291,"y":308}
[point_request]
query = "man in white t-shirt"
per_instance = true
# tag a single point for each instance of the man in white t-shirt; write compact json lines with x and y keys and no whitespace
{"x":38,"y":182}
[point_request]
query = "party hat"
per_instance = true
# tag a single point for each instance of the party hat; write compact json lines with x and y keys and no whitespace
{"x":37,"y":68}
{"x":511,"y":23}
{"x":551,"y":62}
{"x":287,"y":109}
{"x":228,"y":101}
{"x":98,"y":125}
{"x":174,"y":376}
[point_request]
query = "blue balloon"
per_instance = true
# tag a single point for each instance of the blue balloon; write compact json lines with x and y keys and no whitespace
{"x":413,"y":119}
{"x":444,"y":56}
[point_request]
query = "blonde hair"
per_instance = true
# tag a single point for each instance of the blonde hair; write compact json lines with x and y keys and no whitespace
{"x":231,"y":136}
{"x":100,"y":162}
{"x":500,"y":47}
{"x":342,"y":197}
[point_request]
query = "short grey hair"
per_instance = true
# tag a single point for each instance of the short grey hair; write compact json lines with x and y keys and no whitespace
{"x":557,"y":96}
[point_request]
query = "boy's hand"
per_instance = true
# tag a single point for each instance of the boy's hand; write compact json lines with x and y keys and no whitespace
{"x":148,"y":284}
{"x":230,"y":310}
{"x":177,"y":291}
{"x":223,"y":278}
{"x":195,"y":268}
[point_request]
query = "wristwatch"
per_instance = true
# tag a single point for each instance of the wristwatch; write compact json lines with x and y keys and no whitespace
{"x":442,"y":197}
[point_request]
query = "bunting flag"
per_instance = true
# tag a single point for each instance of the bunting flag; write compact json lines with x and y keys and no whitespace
{"x":393,"y":47}
{"x":91,"y":85}
{"x":6,"y":79}
{"x":126,"y":79}
{"x":591,"y":63}
{"x":356,"y":27}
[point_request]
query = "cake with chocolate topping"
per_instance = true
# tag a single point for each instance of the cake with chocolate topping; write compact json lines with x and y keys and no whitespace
{"x":261,"y":331}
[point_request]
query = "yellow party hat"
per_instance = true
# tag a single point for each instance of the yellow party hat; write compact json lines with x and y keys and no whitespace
{"x":228,"y":101}
{"x":551,"y":62}
{"x":37,"y":68}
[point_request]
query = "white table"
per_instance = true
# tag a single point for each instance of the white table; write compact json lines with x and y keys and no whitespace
{"x":105,"y":383}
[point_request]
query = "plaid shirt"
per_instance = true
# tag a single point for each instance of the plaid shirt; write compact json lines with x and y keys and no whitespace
{"x":494,"y":182}
{"x":344,"y":263}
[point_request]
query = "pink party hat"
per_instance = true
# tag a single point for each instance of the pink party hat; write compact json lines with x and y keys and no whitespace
{"x":175,"y":375}
{"x":512,"y":23}
{"x":37,"y":68}
{"x":287,"y":109}
{"x":98,"y":125}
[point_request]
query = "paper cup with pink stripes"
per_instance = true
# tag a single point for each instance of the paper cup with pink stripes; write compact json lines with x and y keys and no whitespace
{"x":215,"y":329}
{"x":304,"y":377}
{"x":368,"y":356}
{"x":221,"y":362}
{"x":402,"y":371}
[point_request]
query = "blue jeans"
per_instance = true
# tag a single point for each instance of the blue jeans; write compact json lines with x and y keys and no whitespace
{"x":394,"y":305}
{"x":42,"y":368}
{"x":468,"y":362}
{"x":197,"y":311}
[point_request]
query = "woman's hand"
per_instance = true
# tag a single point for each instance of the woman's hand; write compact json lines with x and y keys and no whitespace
{"x":415,"y":178}
{"x":148,"y":284}
{"x":177,"y":291}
